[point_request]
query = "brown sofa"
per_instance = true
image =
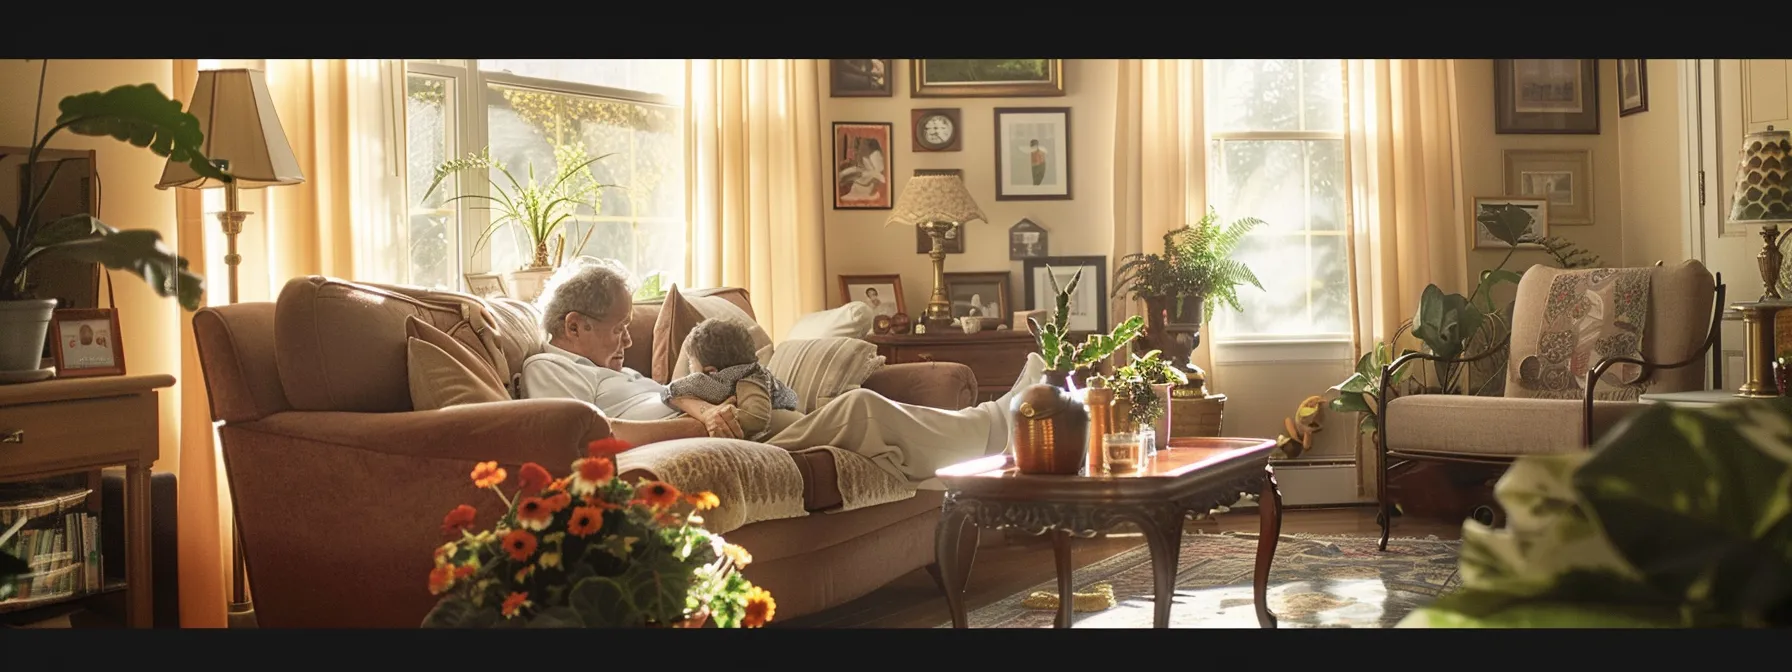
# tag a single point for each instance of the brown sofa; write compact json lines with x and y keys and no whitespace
{"x":340,"y":487}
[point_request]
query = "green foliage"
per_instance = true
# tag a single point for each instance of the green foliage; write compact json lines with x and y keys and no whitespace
{"x":653,"y":287}
{"x":1135,"y":382}
{"x":988,"y":69}
{"x":1360,"y":392}
{"x":540,"y":208}
{"x":1681,"y":517}
{"x":142,"y":116}
{"x":1063,"y":354}
{"x":1567,"y":254}
{"x":1196,"y":263}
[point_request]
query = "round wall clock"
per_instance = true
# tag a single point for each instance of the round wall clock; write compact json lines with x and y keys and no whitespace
{"x":936,"y":130}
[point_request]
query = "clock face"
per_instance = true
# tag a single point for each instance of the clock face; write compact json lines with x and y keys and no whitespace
{"x":937,"y":130}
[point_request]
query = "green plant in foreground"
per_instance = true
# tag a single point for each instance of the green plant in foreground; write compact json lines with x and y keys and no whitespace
{"x":1061,"y":353}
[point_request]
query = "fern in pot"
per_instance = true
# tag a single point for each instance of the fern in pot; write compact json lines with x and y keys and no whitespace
{"x":141,"y":115}
{"x":1196,"y":268}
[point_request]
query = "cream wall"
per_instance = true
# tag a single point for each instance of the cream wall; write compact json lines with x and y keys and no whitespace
{"x":1653,"y":192}
{"x":149,"y":324}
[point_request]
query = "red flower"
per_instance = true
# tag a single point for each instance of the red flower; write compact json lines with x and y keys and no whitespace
{"x":520,"y":544}
{"x":606,"y":446}
{"x":534,"y":513}
{"x":515,"y":603}
{"x":532,"y":478}
{"x":585,"y":521}
{"x":657,"y":494}
{"x":459,"y":519}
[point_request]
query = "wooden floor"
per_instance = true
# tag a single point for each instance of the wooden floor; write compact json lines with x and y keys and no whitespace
{"x":1004,"y":567}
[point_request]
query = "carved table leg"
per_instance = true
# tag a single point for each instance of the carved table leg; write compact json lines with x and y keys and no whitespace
{"x":1163,"y":534}
{"x":139,"y":576}
{"x":1061,"y":549}
{"x":953,"y":568}
{"x":1269,"y":527}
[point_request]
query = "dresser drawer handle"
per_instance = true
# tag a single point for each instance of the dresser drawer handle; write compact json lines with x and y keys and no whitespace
{"x":14,"y":436}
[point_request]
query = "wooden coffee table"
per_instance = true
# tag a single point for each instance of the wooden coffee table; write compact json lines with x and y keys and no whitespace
{"x":1190,"y":479}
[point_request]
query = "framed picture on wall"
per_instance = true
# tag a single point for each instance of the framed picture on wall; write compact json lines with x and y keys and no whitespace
{"x":860,"y":77}
{"x":1033,"y":154}
{"x":1536,"y":227}
{"x":1564,"y":177}
{"x":882,"y":293}
{"x":981,"y":295}
{"x":1088,"y":305}
{"x":1633,"y":86}
{"x":1546,"y":96}
{"x":862,"y":165}
{"x":985,"y":77}
{"x":1028,"y":240}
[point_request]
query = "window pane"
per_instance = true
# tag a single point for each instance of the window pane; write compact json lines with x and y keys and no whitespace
{"x":1262,"y":179}
{"x":429,"y":133}
{"x":1329,"y":286}
{"x":1326,"y":175}
{"x":1322,"y":89}
{"x":663,"y":77}
{"x":1281,"y":306}
{"x":1253,"y":95}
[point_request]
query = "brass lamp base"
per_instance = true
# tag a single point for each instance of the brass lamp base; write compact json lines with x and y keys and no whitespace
{"x":939,"y":305}
{"x":1769,"y":261}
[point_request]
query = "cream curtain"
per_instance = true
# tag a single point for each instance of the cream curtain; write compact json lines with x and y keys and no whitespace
{"x":753,"y":183}
{"x":341,"y":117}
{"x":1407,"y":222}
{"x":1160,"y":165}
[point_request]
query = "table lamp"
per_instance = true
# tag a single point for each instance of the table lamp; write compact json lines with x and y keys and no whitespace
{"x":1763,"y":197}
{"x":938,"y":204}
{"x":243,"y":137}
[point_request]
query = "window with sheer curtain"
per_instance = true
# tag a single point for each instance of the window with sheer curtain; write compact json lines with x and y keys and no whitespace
{"x":532,"y":114}
{"x":1275,"y":131}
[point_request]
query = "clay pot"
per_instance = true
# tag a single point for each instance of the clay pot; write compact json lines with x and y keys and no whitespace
{"x":1051,"y":430}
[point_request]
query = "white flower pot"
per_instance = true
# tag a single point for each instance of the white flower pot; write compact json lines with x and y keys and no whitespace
{"x":23,"y":326}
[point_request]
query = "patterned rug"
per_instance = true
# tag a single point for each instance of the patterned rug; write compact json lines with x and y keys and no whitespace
{"x":1315,"y":582}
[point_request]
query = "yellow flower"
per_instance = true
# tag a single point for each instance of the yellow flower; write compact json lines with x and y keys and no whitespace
{"x":549,"y":560}
{"x":739,"y":555}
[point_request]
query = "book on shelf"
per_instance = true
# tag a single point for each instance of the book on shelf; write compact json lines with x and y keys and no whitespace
{"x":53,"y":532}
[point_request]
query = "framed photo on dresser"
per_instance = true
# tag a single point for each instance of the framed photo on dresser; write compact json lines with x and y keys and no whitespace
{"x":1088,"y":305}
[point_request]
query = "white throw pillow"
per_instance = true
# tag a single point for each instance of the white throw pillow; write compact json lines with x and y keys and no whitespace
{"x":819,"y":369}
{"x":852,"y":320}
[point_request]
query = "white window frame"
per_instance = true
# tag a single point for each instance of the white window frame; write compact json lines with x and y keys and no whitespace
{"x":1269,"y":348}
{"x":471,"y":133}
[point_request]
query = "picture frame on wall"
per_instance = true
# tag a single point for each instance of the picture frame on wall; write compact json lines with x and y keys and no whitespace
{"x":983,"y":295}
{"x":1633,"y":86}
{"x":87,"y":342}
{"x":1088,"y":305}
{"x":1536,"y":231}
{"x":1564,"y":177}
{"x":1033,"y":154}
{"x":985,"y":77}
{"x":1546,"y":96}
{"x":861,"y":77}
{"x":863,"y":165}
{"x":881,"y":293}
{"x":936,"y":129}
{"x":1028,"y":240}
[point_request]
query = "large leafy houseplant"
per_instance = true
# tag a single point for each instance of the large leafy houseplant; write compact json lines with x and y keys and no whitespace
{"x":1063,"y":355}
{"x":1196,"y":264}
{"x":1680,"y":517}
{"x":540,"y":208}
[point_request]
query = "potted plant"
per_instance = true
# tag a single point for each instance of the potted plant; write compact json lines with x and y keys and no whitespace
{"x":541,"y":209}
{"x":1142,"y":392}
{"x":138,"y":114}
{"x":1063,"y":355}
{"x":1051,"y":428}
{"x":1195,"y":266}
{"x":590,"y":551}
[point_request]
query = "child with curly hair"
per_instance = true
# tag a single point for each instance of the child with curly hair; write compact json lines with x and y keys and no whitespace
{"x":725,"y":367}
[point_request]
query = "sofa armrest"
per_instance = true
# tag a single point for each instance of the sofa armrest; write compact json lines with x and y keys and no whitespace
{"x":552,"y":432}
{"x":948,"y":385}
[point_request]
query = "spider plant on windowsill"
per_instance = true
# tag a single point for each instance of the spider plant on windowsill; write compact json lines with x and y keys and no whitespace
{"x":540,"y":208}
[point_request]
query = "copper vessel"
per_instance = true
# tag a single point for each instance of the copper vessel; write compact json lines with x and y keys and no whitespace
{"x":1098,"y":398}
{"x":1051,"y":431}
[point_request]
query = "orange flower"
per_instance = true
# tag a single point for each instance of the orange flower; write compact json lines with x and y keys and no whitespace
{"x":591,"y":472}
{"x":760,"y":607}
{"x":704,"y":501}
{"x":559,"y":501}
{"x":534,"y":513}
{"x":520,"y":544}
{"x":487,"y":474}
{"x":532,"y":478}
{"x":657,"y":494}
{"x":606,"y":446}
{"x":586,"y":520}
{"x":440,"y":579}
{"x":516,"y":602}
{"x":559,"y":483}
{"x":459,"y":519}
{"x":464,"y":571}
{"x":739,"y":555}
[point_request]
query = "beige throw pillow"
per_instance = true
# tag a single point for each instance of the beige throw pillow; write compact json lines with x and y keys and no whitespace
{"x":820,"y":369}
{"x":444,"y":372}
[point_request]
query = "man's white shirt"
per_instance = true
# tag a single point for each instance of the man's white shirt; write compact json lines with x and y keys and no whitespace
{"x":625,"y":394}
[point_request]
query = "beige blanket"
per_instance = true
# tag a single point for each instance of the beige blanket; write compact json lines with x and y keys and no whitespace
{"x":754,"y":481}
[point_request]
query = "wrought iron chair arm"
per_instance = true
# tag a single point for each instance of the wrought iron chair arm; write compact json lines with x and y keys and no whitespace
{"x":1646,"y":368}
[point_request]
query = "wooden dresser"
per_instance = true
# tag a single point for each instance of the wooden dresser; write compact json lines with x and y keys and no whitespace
{"x":995,"y":356}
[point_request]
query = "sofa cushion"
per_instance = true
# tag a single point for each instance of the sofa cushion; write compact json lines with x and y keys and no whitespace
{"x":852,"y":320}
{"x":342,"y":346}
{"x":823,"y":368}
{"x":680,"y":313}
{"x":444,"y":372}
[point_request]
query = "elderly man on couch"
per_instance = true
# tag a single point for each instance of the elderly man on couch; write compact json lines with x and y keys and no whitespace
{"x":586,"y":315}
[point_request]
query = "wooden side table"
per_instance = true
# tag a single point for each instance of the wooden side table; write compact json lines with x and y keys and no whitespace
{"x":1190,"y":480}
{"x":996,"y":357}
{"x":75,"y":425}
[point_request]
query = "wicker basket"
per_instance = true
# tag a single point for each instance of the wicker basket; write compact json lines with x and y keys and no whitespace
{"x":1197,"y":417}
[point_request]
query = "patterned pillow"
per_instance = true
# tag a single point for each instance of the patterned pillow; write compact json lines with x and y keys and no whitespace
{"x":819,"y":369}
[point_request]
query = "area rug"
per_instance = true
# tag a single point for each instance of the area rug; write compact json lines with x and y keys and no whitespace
{"x":1315,"y":582}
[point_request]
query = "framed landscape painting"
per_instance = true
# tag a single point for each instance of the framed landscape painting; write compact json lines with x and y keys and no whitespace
{"x":985,"y":77}
{"x":1564,"y":177}
{"x":1546,"y":96}
{"x":1033,"y":154}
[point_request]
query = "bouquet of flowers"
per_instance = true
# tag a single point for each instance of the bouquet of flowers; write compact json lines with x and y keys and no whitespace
{"x":588,"y":550}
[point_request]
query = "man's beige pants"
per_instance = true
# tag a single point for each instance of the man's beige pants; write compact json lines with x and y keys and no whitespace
{"x":908,"y":441}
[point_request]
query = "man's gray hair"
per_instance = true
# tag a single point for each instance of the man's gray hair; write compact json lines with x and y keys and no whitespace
{"x":587,"y":286}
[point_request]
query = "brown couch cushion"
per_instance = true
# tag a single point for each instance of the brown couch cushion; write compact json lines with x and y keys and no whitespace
{"x":342,"y":346}
{"x":444,"y":372}
{"x":679,"y":313}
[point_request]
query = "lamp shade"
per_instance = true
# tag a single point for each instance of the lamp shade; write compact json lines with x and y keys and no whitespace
{"x":1764,"y":179}
{"x":236,"y":113}
{"x":934,"y":198}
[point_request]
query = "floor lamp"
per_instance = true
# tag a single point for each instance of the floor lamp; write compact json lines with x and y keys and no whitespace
{"x":244,"y":138}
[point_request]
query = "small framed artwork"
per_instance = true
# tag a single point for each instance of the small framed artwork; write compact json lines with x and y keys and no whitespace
{"x":980,"y":295}
{"x":86,"y":342}
{"x":985,"y":77}
{"x":935,"y":130}
{"x":1033,"y":154}
{"x":954,"y":243}
{"x":1546,"y":96}
{"x":1088,"y":306}
{"x":486,"y":285}
{"x":882,"y":293}
{"x":860,"y":77}
{"x":1564,"y":177}
{"x":1535,"y":230}
{"x":1633,"y":86}
{"x":1027,"y":240}
{"x":862,"y":165}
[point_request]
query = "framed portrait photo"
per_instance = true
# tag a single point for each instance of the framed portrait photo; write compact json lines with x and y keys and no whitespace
{"x":981,"y":295}
{"x":860,"y":77}
{"x":882,"y":293}
{"x":985,"y":77}
{"x":1633,"y":86}
{"x":862,"y":165}
{"x":1564,"y":177}
{"x":1546,"y":96}
{"x":486,"y":285}
{"x":1033,"y":154}
{"x":1088,"y":306}
{"x":86,"y":342}
{"x":1535,"y":230}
